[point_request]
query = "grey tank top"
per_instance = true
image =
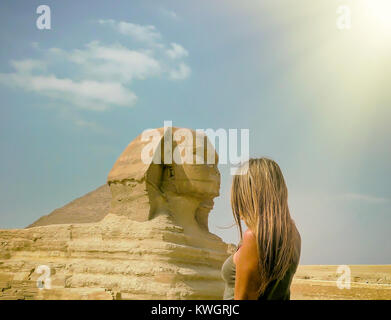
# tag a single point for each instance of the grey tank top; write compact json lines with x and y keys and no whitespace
{"x":276,"y":290}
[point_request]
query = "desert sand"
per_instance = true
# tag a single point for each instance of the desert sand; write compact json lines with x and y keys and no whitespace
{"x":319,"y":282}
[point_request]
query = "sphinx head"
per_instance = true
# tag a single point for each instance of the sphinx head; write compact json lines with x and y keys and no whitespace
{"x":159,"y":176}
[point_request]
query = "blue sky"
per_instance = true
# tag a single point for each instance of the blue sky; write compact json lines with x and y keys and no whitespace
{"x":315,"y":98}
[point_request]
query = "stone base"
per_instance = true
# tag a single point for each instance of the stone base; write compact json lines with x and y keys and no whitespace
{"x":116,"y":258}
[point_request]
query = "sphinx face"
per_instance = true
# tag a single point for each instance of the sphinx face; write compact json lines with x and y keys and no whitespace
{"x":189,"y":192}
{"x":188,"y":187}
{"x":195,"y":180}
{"x":200,"y":180}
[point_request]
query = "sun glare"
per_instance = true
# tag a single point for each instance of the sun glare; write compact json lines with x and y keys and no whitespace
{"x":380,"y":10}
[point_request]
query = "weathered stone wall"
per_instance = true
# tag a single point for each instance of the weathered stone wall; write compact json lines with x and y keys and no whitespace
{"x":124,"y":258}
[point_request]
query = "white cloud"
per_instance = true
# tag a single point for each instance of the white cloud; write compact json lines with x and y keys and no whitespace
{"x":177,"y":51}
{"x":28,"y":65}
{"x":87,"y":94}
{"x":176,"y":68}
{"x":180,"y":73}
{"x":97,"y":76}
{"x":113,"y":62}
{"x":365,"y":198}
{"x":170,"y":13}
{"x":147,"y":33}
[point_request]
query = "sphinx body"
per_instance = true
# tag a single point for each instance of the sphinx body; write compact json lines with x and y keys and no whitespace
{"x":154,"y":243}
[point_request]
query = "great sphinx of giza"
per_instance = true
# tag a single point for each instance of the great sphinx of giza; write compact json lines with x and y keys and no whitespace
{"x":153,"y":244}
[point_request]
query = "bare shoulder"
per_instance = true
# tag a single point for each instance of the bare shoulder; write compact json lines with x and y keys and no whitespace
{"x":249,"y":237}
{"x":247,"y":253}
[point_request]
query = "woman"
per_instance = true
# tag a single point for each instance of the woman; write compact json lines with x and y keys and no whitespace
{"x":268,"y":255}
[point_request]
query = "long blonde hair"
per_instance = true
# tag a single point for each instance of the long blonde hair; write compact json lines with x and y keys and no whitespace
{"x":260,"y":198}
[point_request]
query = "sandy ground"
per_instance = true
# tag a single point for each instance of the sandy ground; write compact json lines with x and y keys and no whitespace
{"x":368,"y":282}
